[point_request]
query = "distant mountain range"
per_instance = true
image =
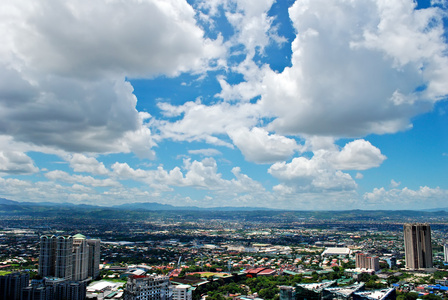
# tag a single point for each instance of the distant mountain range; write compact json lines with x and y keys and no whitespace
{"x":150,"y":206}
{"x":10,"y":206}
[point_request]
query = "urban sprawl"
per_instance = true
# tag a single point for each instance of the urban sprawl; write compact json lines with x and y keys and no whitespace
{"x":182,"y":259}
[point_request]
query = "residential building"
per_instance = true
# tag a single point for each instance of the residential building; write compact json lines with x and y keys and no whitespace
{"x":55,"y":257}
{"x":366,"y":261}
{"x":11,"y":285}
{"x":47,"y":255}
{"x":69,"y":257}
{"x":80,"y":258}
{"x":93,"y":268}
{"x":147,"y":288}
{"x":65,"y":289}
{"x":182,"y":292}
{"x":417,"y":244}
{"x":38,"y":293}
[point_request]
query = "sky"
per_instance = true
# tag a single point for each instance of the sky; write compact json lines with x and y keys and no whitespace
{"x":304,"y":105}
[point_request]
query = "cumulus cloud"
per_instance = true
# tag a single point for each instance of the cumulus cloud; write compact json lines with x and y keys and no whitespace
{"x":311,"y":175}
{"x":394,"y":184}
{"x":357,"y":155}
{"x":63,"y":69}
{"x":219,"y":119}
{"x":15,"y":162}
{"x":358,"y":68}
{"x":83,"y":40}
{"x":257,"y":145}
{"x":202,"y":175}
{"x":82,"y":163}
{"x":62,"y":176}
{"x":422,"y":198}
{"x":323,"y":171}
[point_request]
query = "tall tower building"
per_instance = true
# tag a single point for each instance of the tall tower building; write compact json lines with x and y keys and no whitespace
{"x":93,"y":268}
{"x":64,"y":252}
{"x":47,"y":255}
{"x":70,"y":258}
{"x":445,"y":252}
{"x":80,"y":257}
{"x":55,"y":257}
{"x":417,"y":246}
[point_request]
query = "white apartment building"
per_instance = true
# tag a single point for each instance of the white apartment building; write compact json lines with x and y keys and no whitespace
{"x":182,"y":292}
{"x":153,"y":287}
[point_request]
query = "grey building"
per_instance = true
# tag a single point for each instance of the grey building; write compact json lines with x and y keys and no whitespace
{"x":69,"y":257}
{"x":38,"y":293}
{"x":55,"y":257}
{"x":147,"y":288}
{"x":94,"y":258}
{"x":417,"y":244}
{"x":11,"y":285}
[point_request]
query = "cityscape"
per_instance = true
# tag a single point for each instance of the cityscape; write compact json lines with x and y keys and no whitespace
{"x":224,"y":149}
{"x":239,"y":255}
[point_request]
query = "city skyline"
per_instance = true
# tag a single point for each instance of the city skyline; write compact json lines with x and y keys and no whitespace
{"x":277,"y":104}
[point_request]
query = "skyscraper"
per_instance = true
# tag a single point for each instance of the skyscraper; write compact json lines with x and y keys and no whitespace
{"x":445,"y":252}
{"x":64,"y":252}
{"x":47,"y":255}
{"x":67,"y":257}
{"x":417,"y":244}
{"x":80,"y":257}
{"x":55,"y":257}
{"x":94,"y":258}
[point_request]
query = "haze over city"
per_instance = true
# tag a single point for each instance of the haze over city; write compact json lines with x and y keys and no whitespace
{"x":307,"y":105}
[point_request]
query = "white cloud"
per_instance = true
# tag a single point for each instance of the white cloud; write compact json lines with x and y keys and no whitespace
{"x":219,"y":119}
{"x":357,"y":155}
{"x":394,"y":184}
{"x":205,"y":152}
{"x":82,"y":163}
{"x":422,"y":198}
{"x":311,"y":175}
{"x":15,"y":162}
{"x":63,"y":68}
{"x":322,"y":171}
{"x":83,"y":40}
{"x":345,"y":72}
{"x":62,"y":176}
{"x":257,"y":145}
{"x":202,"y":175}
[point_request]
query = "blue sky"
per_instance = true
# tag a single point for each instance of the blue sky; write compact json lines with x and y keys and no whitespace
{"x":282,"y":104}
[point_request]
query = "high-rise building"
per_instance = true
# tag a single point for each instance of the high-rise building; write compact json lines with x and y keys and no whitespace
{"x":63,"y":258}
{"x":445,"y":252}
{"x":147,"y":288}
{"x":38,"y":293}
{"x":47,"y":255}
{"x":417,"y":244}
{"x":80,"y":257}
{"x":94,"y":258}
{"x":55,"y":256}
{"x":71,"y":258}
{"x":366,"y":261}
{"x":11,"y":285}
